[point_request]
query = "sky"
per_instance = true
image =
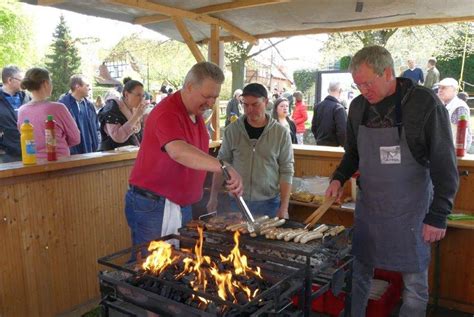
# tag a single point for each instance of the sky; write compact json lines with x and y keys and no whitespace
{"x":299,"y":52}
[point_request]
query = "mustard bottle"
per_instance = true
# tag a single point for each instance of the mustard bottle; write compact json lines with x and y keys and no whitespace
{"x":28,"y":147}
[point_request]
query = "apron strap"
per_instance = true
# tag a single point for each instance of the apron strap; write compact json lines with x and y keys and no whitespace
{"x":398,"y":109}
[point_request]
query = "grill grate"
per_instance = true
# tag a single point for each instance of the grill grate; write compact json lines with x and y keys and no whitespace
{"x":159,"y":295}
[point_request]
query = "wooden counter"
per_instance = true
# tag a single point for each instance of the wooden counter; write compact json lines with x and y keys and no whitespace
{"x":56,"y":220}
{"x":456,"y":265}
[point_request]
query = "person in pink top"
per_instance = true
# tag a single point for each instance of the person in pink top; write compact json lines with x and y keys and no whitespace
{"x":38,"y":83}
{"x":300,"y":115}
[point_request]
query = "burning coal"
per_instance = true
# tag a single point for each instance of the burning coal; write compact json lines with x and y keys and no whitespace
{"x":228,"y":277}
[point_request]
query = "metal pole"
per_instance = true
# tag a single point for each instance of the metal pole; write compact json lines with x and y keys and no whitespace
{"x":148,"y":72}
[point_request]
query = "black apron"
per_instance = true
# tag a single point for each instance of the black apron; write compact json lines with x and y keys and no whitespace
{"x":394,"y":196}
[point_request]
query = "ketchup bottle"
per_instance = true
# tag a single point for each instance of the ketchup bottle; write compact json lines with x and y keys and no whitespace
{"x":50,"y":137}
{"x":461,"y":136}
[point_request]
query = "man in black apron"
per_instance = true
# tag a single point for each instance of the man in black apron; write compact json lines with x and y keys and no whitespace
{"x":399,"y":138}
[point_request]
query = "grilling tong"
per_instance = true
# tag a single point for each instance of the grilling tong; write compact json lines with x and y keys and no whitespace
{"x":244,"y":209}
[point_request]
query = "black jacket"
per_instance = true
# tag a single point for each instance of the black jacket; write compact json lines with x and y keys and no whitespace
{"x":429,"y":137}
{"x":292,"y":130}
{"x":9,"y":134}
{"x":111,"y":113}
{"x":329,"y":122}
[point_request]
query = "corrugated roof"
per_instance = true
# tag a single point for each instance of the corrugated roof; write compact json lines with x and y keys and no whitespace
{"x":279,"y":19}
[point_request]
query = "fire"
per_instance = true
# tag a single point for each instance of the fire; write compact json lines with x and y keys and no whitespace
{"x":197,"y":266}
{"x":240,"y":261}
{"x":160,"y":258}
{"x":204,"y":271}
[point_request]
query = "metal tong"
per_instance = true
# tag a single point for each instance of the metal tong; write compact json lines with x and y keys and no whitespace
{"x":244,"y":209}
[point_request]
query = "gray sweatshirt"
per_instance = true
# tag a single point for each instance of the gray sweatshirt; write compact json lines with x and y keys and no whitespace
{"x":262,"y":163}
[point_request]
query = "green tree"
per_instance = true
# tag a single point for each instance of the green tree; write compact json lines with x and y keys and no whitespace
{"x":304,"y":79}
{"x":157,"y":62}
{"x":64,"y":61}
{"x":429,"y":40}
{"x":340,"y":45}
{"x":344,"y":62}
{"x":451,"y":53}
{"x":15,"y":35}
{"x":238,"y":53}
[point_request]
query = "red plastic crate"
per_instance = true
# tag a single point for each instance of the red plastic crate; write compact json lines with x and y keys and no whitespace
{"x":333,"y":305}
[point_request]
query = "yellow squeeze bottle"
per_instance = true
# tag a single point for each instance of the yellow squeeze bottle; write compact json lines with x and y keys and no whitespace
{"x":28,"y":147}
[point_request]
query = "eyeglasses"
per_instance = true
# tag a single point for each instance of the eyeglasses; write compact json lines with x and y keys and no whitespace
{"x":367,"y":84}
{"x":16,"y":78}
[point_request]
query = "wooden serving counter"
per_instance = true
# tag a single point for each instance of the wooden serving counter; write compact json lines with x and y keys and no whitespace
{"x":56,"y":220}
{"x":456,"y":254}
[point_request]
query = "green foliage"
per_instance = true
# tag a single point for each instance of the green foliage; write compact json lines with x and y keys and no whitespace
{"x":15,"y":35}
{"x":304,"y":79}
{"x":344,"y":62}
{"x":64,"y":61}
{"x":164,"y":62}
{"x":237,"y":53}
{"x":451,"y":53}
{"x":452,"y":68}
{"x":420,"y":43}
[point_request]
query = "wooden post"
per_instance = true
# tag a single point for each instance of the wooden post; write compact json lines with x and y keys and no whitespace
{"x":215,"y":53}
{"x":188,"y":39}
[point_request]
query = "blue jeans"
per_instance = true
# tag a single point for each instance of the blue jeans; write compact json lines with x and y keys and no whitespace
{"x":260,"y":208}
{"x":415,"y":292}
{"x":145,"y":218}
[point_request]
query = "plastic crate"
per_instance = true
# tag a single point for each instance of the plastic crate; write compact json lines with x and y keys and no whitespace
{"x":333,"y":305}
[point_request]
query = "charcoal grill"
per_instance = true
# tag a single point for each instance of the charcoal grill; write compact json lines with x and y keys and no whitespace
{"x":126,"y":284}
{"x":327,"y":262}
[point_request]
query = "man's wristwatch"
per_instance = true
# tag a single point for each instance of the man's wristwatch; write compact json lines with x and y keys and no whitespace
{"x":222,"y":164}
{"x":224,"y":170}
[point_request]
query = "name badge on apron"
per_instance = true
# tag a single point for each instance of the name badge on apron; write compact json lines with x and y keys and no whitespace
{"x":390,"y":155}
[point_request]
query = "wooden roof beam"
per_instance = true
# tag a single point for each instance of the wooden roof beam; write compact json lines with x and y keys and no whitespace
{"x":235,"y":5}
{"x":188,"y":39}
{"x":390,"y":25}
{"x":176,"y":12}
{"x":49,"y":2}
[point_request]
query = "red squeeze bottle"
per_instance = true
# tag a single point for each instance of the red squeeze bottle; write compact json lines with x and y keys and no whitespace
{"x":50,"y":137}
{"x":461,"y":136}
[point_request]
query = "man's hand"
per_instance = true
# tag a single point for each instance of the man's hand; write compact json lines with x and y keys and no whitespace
{"x":211,"y":205}
{"x":334,"y":190}
{"x":432,"y":234}
{"x":234,"y":184}
{"x":283,"y":213}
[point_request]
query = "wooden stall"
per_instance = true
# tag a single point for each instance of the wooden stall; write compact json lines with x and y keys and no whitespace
{"x":453,"y":287}
{"x":56,"y":219}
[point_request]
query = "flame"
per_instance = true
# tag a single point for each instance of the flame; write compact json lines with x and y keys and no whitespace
{"x":197,"y":266}
{"x":240,"y":261}
{"x":204,"y":270}
{"x":160,"y":258}
{"x":224,"y":283}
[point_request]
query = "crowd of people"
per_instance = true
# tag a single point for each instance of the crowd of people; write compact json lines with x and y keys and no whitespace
{"x":82,"y":126}
{"x":117,"y":119}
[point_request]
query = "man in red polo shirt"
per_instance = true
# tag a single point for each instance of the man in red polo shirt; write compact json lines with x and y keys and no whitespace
{"x":171,"y":165}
